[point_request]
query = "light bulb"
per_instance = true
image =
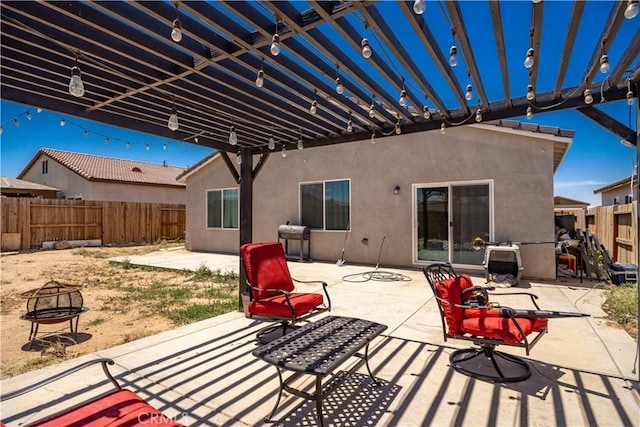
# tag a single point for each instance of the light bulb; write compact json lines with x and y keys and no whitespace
{"x":528,"y":61}
{"x":443,"y":128}
{"x":339,"y":87}
{"x":629,"y":98}
{"x":275,"y":45}
{"x":426,"y":113}
{"x":164,"y":146}
{"x":0,"y":131}
{"x":314,"y":107}
{"x":529,"y":112}
{"x":260,"y":78}
{"x":62,"y":122}
{"x":479,"y":115}
{"x":469,"y":93}
{"x":272,"y":143}
{"x":147,"y":147}
{"x":76,"y":87}
{"x":238,"y":158}
{"x":196,"y":140}
{"x":373,"y":137}
{"x":86,"y":133}
{"x":588,"y":98}
{"x":16,"y":123}
{"x":372,"y":111}
{"x":173,"y":124}
{"x":398,"y":130}
{"x":604,"y":64}
{"x":106,"y":140}
{"x":632,"y":9}
{"x":366,"y":49}
{"x":128,"y":144}
{"x":39,"y":110}
{"x":28,"y":115}
{"x":300,"y":144}
{"x":419,"y":6}
{"x":284,"y":151}
{"x":349,"y":126}
{"x":453,"y":56}
{"x":403,"y":98}
{"x":530,"y":93}
{"x":176,"y":32}
{"x":233,"y":137}
{"x":626,"y":143}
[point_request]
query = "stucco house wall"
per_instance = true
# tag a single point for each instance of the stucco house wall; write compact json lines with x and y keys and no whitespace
{"x":76,"y":185}
{"x":518,"y":166}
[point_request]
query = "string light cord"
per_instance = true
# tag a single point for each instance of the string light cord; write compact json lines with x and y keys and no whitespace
{"x":540,"y":108}
{"x":16,"y":117}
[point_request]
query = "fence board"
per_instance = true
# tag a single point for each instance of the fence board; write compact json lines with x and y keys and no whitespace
{"x":40,"y":220}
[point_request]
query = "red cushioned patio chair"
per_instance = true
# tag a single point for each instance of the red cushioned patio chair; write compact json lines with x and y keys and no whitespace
{"x":117,"y":408}
{"x":271,"y":291}
{"x":467,"y":314}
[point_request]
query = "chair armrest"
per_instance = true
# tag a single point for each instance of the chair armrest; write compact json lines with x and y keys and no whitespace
{"x":285,"y":293}
{"x":324,"y":288}
{"x":533,"y":297}
{"x":103,"y":361}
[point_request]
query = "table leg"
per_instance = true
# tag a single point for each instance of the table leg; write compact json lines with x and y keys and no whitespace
{"x":275,"y":407}
{"x":319,"y":400}
{"x":366,"y":362}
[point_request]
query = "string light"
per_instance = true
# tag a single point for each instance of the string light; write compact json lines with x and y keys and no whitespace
{"x":426,"y":113}
{"x":176,"y":31}
{"x":632,"y":9}
{"x":349,"y":124}
{"x":173,"y":124}
{"x":443,"y":128}
{"x":604,"y":64}
{"x":529,"y":112}
{"x":300,"y":143}
{"x":127,"y":145}
{"x":272,"y":143}
{"x":469,"y":94}
{"x":529,"y":60}
{"x":28,"y":116}
{"x":314,"y":104}
{"x":403,"y":96}
{"x":373,"y":137}
{"x":372,"y":107}
{"x":1,"y":131}
{"x":86,"y":133}
{"x":275,"y":42}
{"x":339,"y":87}
{"x":531,"y":95}
{"x":588,"y":98}
{"x":16,"y":122}
{"x":397,"y":129}
{"x":147,"y":147}
{"x":260,"y":77}
{"x":106,"y":141}
{"x":62,"y":122}
{"x":419,"y":6}
{"x":239,"y":157}
{"x":164,"y":146}
{"x":39,"y":110}
{"x":366,"y":48}
{"x":479,"y":114}
{"x":629,"y":92}
{"x":76,"y":87}
{"x":453,"y":50}
{"x":233,"y":137}
{"x":284,"y":151}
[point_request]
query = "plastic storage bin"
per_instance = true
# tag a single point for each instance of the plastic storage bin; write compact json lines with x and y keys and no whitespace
{"x":623,"y":273}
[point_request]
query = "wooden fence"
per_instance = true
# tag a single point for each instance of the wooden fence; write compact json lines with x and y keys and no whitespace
{"x":615,"y":226}
{"x":28,"y":222}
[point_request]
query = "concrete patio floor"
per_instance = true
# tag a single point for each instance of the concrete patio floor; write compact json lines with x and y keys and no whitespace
{"x":203,"y":374}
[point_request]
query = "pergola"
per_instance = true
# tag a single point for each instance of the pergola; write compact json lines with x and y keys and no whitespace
{"x":248,"y":78}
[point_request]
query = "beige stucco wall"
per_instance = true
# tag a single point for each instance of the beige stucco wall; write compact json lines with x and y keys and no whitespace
{"x":608,"y":197}
{"x":73,"y":185}
{"x":518,"y":164}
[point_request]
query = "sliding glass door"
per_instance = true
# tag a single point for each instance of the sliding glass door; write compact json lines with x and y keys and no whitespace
{"x":448,"y":218}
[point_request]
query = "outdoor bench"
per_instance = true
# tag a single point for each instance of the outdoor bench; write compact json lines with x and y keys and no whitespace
{"x":120,"y":407}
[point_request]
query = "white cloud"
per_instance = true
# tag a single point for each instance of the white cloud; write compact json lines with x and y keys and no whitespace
{"x":579,"y":184}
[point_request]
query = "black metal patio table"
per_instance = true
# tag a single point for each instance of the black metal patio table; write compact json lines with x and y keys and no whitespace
{"x":318,"y":348}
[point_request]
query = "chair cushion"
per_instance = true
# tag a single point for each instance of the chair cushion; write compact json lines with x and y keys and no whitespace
{"x":266,"y":267}
{"x":538,"y":323}
{"x":451,"y":290}
{"x":502,"y":328}
{"x":120,"y":408}
{"x":277,"y":305}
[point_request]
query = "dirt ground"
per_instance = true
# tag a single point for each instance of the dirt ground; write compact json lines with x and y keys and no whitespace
{"x":104,"y":325}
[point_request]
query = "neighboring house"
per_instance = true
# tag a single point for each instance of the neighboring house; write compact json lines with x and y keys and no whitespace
{"x":426,"y":195}
{"x":89,"y":177}
{"x":565,"y":205}
{"x":12,"y":187}
{"x":619,"y":192}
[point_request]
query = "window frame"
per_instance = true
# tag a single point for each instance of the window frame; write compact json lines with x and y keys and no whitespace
{"x":222,"y":208}
{"x":324,"y":216}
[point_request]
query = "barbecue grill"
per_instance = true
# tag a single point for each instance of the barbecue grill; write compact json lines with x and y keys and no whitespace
{"x":301,"y":233}
{"x":54,"y":302}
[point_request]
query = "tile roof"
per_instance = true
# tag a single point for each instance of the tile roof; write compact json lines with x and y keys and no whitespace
{"x":98,"y":168}
{"x":20,"y":184}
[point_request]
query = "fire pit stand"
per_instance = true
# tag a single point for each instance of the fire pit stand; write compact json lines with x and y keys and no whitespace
{"x":53,"y":303}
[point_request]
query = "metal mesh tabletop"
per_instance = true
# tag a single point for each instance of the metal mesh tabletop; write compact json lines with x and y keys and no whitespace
{"x":319,"y":347}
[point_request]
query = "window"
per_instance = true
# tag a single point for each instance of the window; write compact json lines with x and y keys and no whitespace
{"x":325,"y":205}
{"x":45,"y":167}
{"x":222,"y":208}
{"x":616,"y":200}
{"x":628,"y":199}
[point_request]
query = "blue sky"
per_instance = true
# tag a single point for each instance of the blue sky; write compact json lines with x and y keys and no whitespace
{"x":594,"y":159}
